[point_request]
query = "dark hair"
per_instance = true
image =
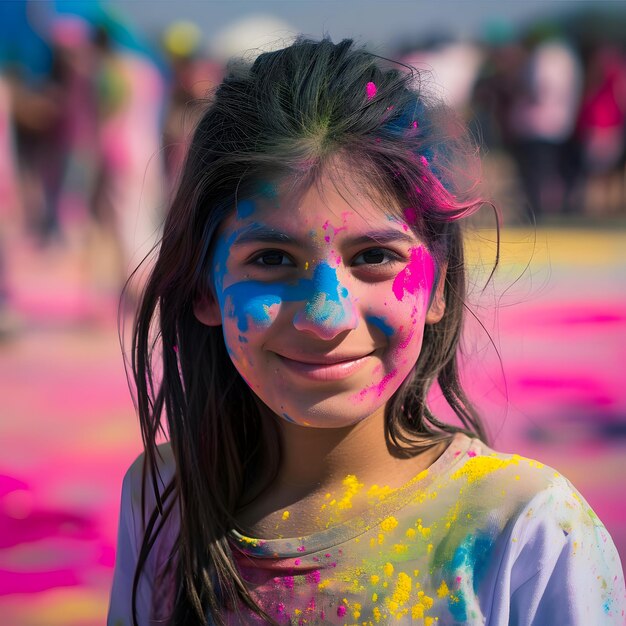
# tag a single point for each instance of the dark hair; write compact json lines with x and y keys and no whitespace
{"x":312,"y":107}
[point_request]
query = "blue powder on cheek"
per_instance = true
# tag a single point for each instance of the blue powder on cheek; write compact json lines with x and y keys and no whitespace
{"x":380,"y":323}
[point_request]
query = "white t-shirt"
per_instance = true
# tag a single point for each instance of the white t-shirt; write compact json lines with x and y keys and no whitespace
{"x":478,"y":538}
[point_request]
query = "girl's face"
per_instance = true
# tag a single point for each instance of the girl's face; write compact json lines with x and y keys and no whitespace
{"x":323,"y":301}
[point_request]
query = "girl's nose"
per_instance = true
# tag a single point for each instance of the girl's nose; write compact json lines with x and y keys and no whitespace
{"x":328,"y":309}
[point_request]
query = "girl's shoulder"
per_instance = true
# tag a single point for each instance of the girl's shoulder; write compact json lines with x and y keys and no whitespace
{"x":516,"y":487}
{"x":137,"y":486}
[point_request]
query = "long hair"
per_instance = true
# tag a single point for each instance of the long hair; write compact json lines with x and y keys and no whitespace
{"x":291,"y":115}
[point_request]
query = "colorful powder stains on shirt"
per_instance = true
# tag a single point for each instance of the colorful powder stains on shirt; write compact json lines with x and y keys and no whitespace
{"x":464,"y":558}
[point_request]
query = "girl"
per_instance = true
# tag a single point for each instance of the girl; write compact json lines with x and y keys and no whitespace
{"x":308,"y":292}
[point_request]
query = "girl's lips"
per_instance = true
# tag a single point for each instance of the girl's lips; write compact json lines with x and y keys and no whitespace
{"x":325,"y":371}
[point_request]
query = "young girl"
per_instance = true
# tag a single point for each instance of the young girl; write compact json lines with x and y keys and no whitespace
{"x":308,"y":292}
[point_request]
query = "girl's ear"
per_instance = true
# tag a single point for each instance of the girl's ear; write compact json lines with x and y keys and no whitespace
{"x":207,"y":310}
{"x":438,"y":301}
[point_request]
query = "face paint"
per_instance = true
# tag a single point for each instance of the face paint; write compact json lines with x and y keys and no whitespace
{"x":323,"y":321}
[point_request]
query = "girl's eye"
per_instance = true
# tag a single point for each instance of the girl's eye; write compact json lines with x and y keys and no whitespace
{"x":376,"y":256}
{"x":272,"y":257}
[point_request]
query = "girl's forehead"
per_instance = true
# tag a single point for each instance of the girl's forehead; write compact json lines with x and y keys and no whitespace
{"x":322,"y":206}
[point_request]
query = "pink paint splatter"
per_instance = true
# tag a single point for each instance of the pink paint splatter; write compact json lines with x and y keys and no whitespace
{"x":288,"y":581}
{"x":313,"y":577}
{"x":471,"y":453}
{"x":457,"y":453}
{"x":378,"y":388}
{"x":407,"y":341}
{"x":341,"y":611}
{"x":414,"y":124}
{"x":311,"y":605}
{"x":296,"y":562}
{"x":328,"y":555}
{"x":424,"y":160}
{"x":458,"y":580}
{"x":370,"y":90}
{"x":418,"y":274}
{"x":301,"y":548}
{"x":410,"y":214}
{"x":280,"y":608}
{"x":327,"y":239}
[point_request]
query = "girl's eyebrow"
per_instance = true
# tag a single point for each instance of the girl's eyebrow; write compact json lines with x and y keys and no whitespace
{"x":263,"y":234}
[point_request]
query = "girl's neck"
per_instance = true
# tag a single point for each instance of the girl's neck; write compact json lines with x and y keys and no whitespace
{"x":314,"y":467}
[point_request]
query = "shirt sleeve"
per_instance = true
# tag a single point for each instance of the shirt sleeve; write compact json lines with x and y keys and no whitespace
{"x":566,"y":569}
{"x":129,"y":539}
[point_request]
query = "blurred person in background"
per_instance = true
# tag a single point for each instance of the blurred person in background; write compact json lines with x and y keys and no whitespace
{"x":542,"y":121}
{"x":193,"y":75}
{"x":602,"y":129}
{"x":129,"y":186}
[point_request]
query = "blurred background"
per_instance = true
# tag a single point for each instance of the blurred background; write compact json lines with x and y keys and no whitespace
{"x":97,"y":100}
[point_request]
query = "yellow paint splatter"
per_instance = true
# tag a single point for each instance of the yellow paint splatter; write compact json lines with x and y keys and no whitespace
{"x":352,"y":488}
{"x":374,"y":579}
{"x":376,"y":613}
{"x":410,"y":533}
{"x":479,"y":467}
{"x":443,"y":590}
{"x":388,"y":569}
{"x":306,"y":265}
{"x":401,"y":593}
{"x":400,"y":548}
{"x":389,"y":523}
{"x":285,"y":515}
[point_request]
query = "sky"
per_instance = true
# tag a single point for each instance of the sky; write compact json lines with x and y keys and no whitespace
{"x":379,"y":23}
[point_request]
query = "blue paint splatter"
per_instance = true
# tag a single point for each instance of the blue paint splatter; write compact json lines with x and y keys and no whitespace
{"x":380,"y":322}
{"x":325,"y":298}
{"x":245,"y":208}
{"x":472,"y":556}
{"x":289,"y":419}
{"x":267,"y":189}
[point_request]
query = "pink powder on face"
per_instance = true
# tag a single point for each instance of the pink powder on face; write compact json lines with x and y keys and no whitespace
{"x":418,"y":274}
{"x":370,"y":90}
{"x":379,"y":387}
{"x":407,"y":341}
{"x":341,"y":611}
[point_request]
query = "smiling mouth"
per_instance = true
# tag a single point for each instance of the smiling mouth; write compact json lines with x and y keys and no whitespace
{"x":325,"y":368}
